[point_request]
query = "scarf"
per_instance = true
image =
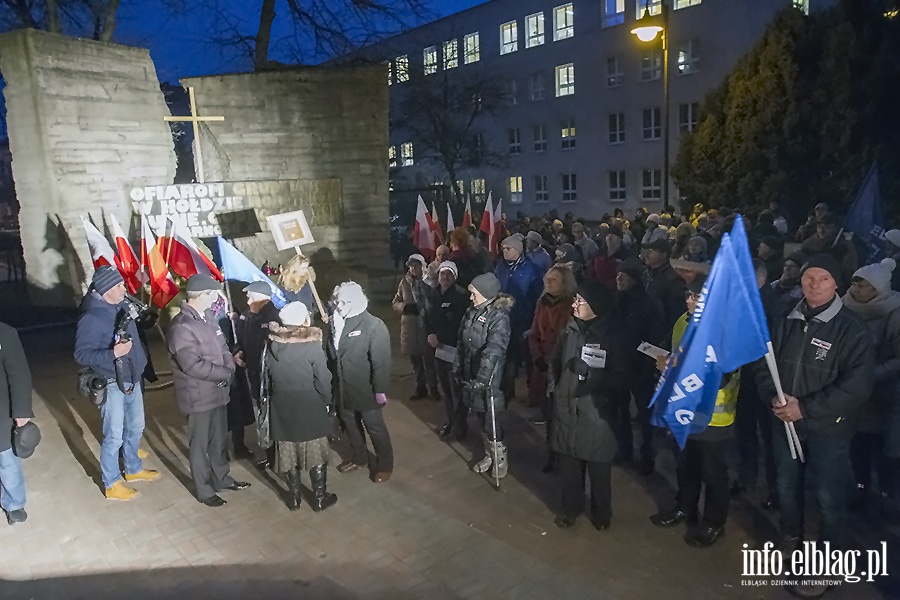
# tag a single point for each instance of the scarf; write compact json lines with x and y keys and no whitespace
{"x":879,"y":306}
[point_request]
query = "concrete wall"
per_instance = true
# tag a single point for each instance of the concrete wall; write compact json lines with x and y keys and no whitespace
{"x":85,"y":124}
{"x":316,"y":124}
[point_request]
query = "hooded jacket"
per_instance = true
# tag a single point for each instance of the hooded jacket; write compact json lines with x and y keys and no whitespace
{"x":827,"y":362}
{"x":522,"y":280}
{"x":359,"y":353}
{"x":95,"y":337}
{"x":481,"y":353}
{"x":299,"y":384}
{"x":202,"y":365}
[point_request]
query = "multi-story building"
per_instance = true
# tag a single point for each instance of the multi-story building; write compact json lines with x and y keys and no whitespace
{"x":578,"y":124}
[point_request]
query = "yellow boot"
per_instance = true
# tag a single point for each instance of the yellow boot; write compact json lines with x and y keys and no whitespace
{"x":142,"y":454}
{"x":119,"y":491}
{"x":143,"y":475}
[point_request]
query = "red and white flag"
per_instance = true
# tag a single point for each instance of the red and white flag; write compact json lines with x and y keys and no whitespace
{"x":450,"y":225}
{"x":436,"y":225}
{"x":423,"y":235}
{"x":101,"y":252}
{"x":127,"y":261}
{"x":498,"y":217}
{"x":162,"y":286}
{"x":182,"y":254}
{"x":467,"y":215}
{"x":487,"y":226}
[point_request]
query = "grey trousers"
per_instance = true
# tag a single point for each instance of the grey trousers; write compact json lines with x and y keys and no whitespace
{"x":208,"y":439}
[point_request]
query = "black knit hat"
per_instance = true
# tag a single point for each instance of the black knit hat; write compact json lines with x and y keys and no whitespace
{"x":826,"y":262}
{"x":25,"y":439}
{"x":633,"y":267}
{"x":598,"y":297}
{"x":105,"y":278}
{"x":487,"y":285}
{"x":696,"y":286}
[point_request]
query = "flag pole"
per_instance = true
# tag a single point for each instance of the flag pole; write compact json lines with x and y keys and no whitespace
{"x":790,"y":430}
{"x":315,"y":292}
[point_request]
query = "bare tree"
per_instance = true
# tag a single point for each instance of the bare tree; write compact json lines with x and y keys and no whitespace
{"x":95,"y":19}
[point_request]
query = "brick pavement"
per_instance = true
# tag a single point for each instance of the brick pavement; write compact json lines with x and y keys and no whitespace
{"x":436,"y":530}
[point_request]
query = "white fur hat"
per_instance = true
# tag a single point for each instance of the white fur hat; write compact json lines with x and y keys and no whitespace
{"x":294,"y":313}
{"x":878,"y":274}
{"x":893,"y":236}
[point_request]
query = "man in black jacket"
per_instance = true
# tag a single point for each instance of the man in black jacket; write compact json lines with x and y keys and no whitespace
{"x":826,"y":364}
{"x":442,"y":321}
{"x":15,"y":411}
{"x":663,"y":284}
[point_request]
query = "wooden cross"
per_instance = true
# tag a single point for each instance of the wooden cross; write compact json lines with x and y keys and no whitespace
{"x":195,"y":120}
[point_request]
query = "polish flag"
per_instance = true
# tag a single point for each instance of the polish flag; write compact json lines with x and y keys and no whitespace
{"x":101,"y":252}
{"x":498,"y":217}
{"x":436,"y":225}
{"x":182,"y":254}
{"x":162,"y":285}
{"x":450,"y":225}
{"x":423,"y":235}
{"x":487,"y":226}
{"x":467,"y":214}
{"x":127,"y":260}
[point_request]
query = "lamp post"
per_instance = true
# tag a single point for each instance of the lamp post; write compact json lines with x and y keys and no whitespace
{"x":646,"y":29}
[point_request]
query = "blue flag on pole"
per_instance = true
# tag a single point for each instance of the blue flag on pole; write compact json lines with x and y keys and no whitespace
{"x":865,"y":219}
{"x":237,"y":267}
{"x":728,"y":330}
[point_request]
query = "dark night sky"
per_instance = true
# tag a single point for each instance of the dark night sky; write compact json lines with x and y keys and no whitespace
{"x":180,"y":43}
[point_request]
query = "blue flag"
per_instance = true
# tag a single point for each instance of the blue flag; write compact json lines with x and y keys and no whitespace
{"x":727,"y":330}
{"x":865,"y":219}
{"x":237,"y":267}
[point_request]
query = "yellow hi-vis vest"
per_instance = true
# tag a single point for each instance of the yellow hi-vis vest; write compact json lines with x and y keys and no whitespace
{"x":726,"y":399}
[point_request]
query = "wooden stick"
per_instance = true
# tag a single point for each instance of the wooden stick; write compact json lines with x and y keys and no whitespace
{"x":315,"y":292}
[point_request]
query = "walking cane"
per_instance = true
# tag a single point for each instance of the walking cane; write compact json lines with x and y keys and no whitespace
{"x":496,"y":442}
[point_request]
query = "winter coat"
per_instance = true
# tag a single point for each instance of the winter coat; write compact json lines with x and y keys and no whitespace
{"x":299,"y":384}
{"x":95,"y":337}
{"x":882,"y":316}
{"x":550,"y":317}
{"x":827,"y":362}
{"x":667,"y":288}
{"x":525,"y":283}
{"x":445,"y":314}
{"x":202,"y":364}
{"x":541,"y":259}
{"x":603,"y":268}
{"x":411,"y":301}
{"x":360,"y":362}
{"x":468,"y":264}
{"x":15,"y":385}
{"x":240,"y":402}
{"x":641,"y":317}
{"x":252,"y":331}
{"x":791,"y":294}
{"x":481,"y":353}
{"x":581,"y":425}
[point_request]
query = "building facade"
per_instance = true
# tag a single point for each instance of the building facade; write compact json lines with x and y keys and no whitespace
{"x":576,"y":108}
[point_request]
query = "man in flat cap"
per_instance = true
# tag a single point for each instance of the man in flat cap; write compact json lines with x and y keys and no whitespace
{"x":98,"y":346}
{"x":202,"y":369}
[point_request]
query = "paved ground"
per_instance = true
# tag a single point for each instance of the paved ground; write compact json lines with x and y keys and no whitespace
{"x":436,"y":530}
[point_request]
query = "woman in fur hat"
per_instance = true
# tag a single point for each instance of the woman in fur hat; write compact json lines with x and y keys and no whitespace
{"x":300,"y":409}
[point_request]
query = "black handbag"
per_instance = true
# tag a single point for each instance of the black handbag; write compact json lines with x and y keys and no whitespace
{"x":263,"y":429}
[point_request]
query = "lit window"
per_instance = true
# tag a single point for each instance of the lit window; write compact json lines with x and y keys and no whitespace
{"x":515,"y":190}
{"x":687,"y":117}
{"x":567,"y":135}
{"x":565,"y":80}
{"x":451,"y":58}
{"x":402,"y":69}
{"x":511,"y":92}
{"x":540,"y":138}
{"x":429,"y":60}
{"x":689,"y":56}
{"x":617,"y":186}
{"x":617,"y":128}
{"x":654,"y":6}
{"x":541,"y":189}
{"x":614,"y":74}
{"x":569,"y":188}
{"x":515,"y":140}
{"x":651,"y":64}
{"x":563,"y":22}
{"x":478,"y":189}
{"x":652,"y":129}
{"x":537,"y":87}
{"x":390,"y":70}
{"x":392,"y":156}
{"x":472,"y":48}
{"x":509,"y":37}
{"x":686,"y":3}
{"x":406,"y":155}
{"x":534,"y":26}
{"x":651,"y":184}
{"x":614,"y":13}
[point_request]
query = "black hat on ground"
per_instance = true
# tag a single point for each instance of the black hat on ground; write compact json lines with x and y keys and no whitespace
{"x":823,"y":261}
{"x":106,"y":278}
{"x":487,"y":285}
{"x":598,"y":297}
{"x":202,"y":283}
{"x":25,"y":439}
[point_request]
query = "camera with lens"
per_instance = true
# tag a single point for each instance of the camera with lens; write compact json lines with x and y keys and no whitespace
{"x":132,"y":310}
{"x":92,"y":386}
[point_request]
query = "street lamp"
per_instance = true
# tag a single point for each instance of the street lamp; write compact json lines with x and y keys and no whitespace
{"x":646,"y":29}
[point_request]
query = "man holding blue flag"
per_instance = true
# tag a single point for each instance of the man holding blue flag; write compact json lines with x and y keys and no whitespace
{"x":725,"y":328}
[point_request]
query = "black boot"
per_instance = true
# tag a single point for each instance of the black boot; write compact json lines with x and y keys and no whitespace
{"x":322,"y":499}
{"x":292,"y":500}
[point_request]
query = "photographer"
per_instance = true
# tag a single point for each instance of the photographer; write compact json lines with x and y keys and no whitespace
{"x":104,"y":342}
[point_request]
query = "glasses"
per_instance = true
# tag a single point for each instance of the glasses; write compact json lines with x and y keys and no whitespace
{"x":691,"y":296}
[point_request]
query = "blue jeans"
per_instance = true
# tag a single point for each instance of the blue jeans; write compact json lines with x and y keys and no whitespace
{"x":12,"y":482}
{"x":828,"y":460}
{"x":123,"y":426}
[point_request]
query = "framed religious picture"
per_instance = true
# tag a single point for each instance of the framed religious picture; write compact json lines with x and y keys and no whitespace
{"x":290,"y":230}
